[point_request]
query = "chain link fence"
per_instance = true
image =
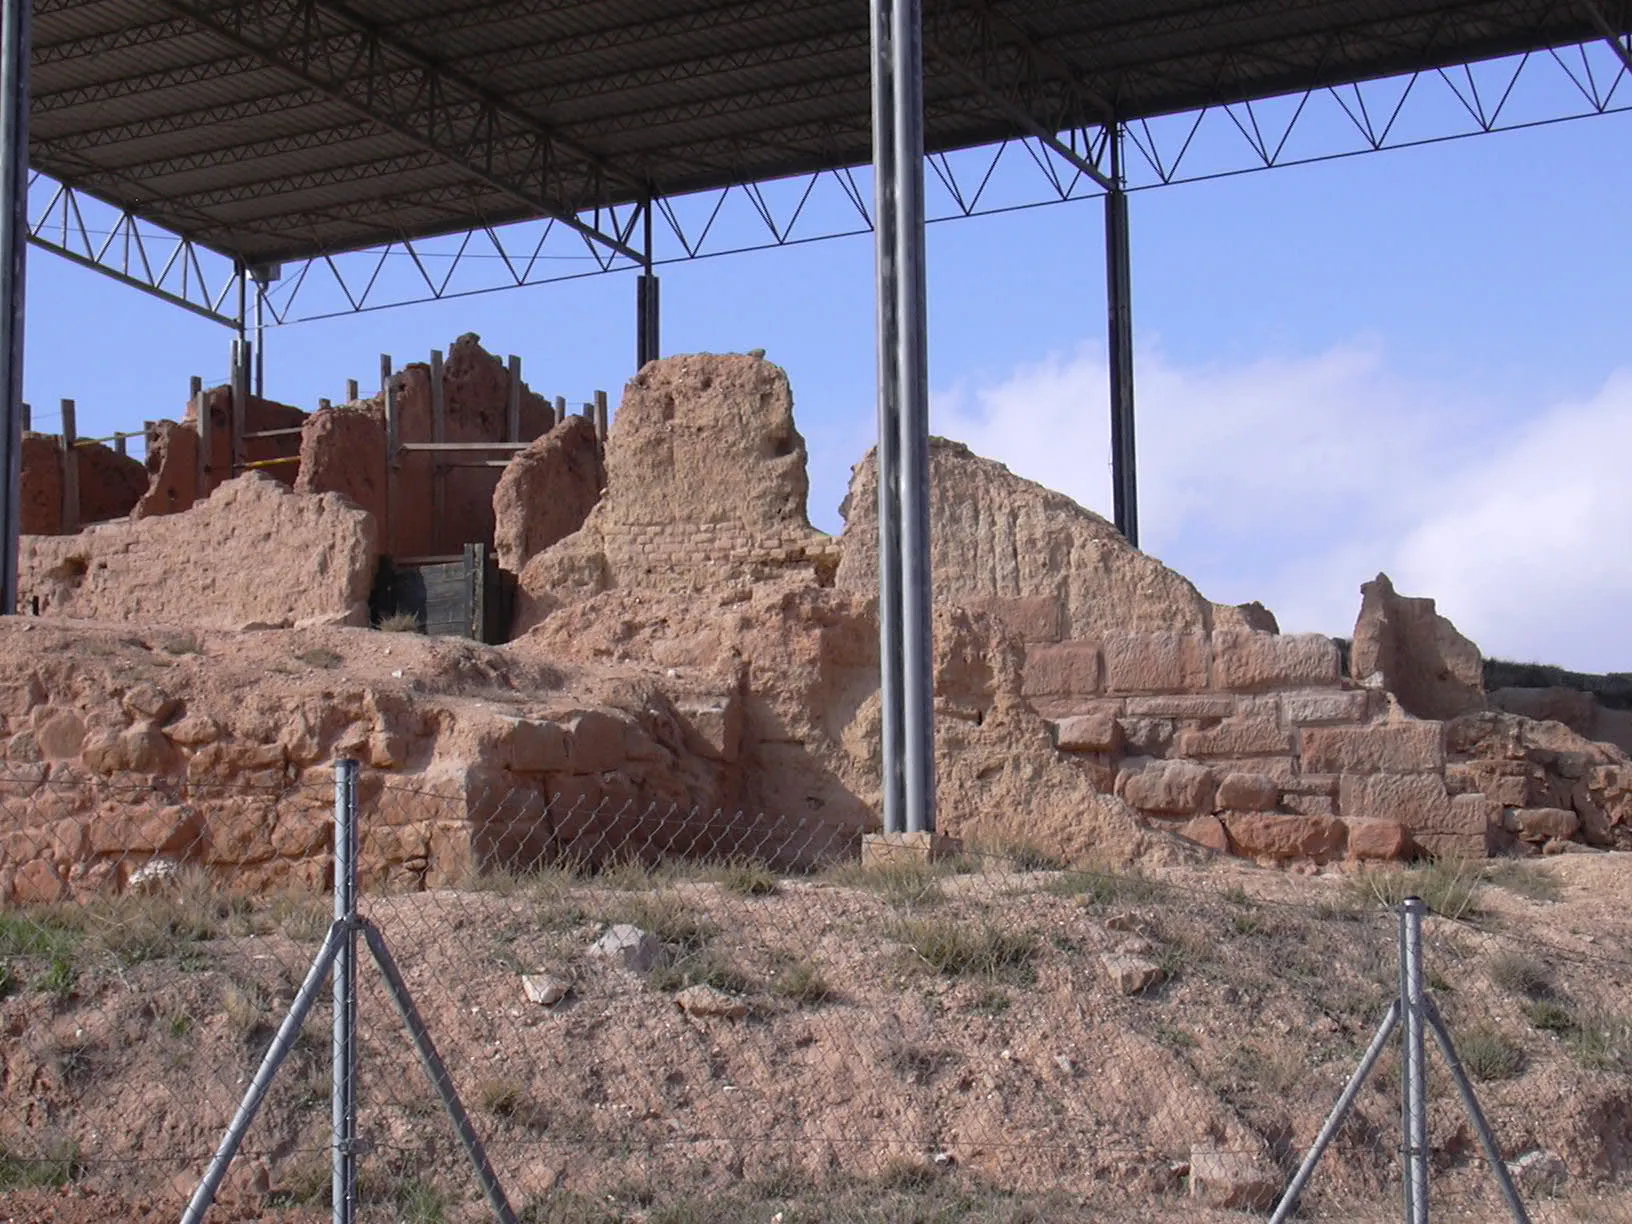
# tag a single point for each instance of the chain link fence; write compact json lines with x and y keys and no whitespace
{"x":675,"y":1016}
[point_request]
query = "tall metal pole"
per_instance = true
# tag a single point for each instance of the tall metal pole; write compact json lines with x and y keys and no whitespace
{"x":260,"y":339}
{"x":343,"y":1099}
{"x":886,"y":276}
{"x":1119,"y":310}
{"x":646,"y":300}
{"x":1416,"y":1066}
{"x":14,"y":44}
{"x":917,"y":683}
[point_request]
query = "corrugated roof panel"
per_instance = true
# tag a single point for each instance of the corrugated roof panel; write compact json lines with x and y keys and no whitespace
{"x":157,"y":114}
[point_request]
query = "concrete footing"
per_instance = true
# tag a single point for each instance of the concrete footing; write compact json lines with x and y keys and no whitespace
{"x":887,"y":849}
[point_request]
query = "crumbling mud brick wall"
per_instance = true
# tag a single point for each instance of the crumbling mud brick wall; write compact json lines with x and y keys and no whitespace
{"x":343,"y":450}
{"x":475,"y":388}
{"x":110,"y":484}
{"x":255,"y":553}
{"x":706,"y":486}
{"x":172,"y":451}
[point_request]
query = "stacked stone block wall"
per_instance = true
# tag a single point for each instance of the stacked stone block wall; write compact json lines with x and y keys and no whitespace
{"x":1255,"y":744}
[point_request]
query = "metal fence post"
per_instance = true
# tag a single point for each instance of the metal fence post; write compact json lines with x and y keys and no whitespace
{"x":343,"y":1099}
{"x":1416,"y":1087}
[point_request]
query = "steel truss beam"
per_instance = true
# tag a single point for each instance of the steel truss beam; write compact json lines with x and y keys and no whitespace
{"x":329,"y":49}
{"x":84,"y":230}
{"x":1217,"y":141}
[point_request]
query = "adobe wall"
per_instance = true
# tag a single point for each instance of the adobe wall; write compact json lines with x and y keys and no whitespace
{"x":475,"y":397}
{"x":110,"y":484}
{"x":255,"y":553}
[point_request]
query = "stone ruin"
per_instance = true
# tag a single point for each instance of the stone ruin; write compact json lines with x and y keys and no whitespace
{"x":686,"y":643}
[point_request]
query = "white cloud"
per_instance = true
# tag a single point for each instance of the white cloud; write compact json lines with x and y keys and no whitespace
{"x":1294,"y":480}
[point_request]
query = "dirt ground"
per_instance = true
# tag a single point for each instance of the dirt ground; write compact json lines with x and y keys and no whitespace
{"x":912,"y":1045}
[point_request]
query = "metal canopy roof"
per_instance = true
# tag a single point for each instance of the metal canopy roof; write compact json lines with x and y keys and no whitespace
{"x":273,"y":130}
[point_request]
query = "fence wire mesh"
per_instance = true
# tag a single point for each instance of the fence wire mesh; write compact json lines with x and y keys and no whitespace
{"x":671,"y":1016}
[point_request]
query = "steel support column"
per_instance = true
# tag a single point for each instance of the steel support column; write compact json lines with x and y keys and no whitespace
{"x":903,"y":419}
{"x":1119,"y":312}
{"x":888,"y":462}
{"x":14,"y":43}
{"x":647,"y":312}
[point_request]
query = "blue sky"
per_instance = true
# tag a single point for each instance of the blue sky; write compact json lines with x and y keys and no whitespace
{"x":1418,"y":361}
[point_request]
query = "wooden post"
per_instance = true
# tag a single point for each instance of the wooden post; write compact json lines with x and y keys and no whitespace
{"x":392,"y":439}
{"x":323,"y":404}
{"x":70,"y":470}
{"x":512,"y":407}
{"x":201,"y":419}
{"x":439,"y":435}
{"x":240,"y":406}
{"x":28,"y":419}
{"x":351,"y":390}
{"x":601,"y":417}
{"x":588,"y":412}
{"x":560,"y":409}
{"x":385,"y":371}
{"x":119,"y":443}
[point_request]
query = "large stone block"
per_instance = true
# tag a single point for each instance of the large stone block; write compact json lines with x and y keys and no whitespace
{"x":1182,"y":705}
{"x":1402,"y":747}
{"x":1259,"y":662}
{"x":1313,"y":709}
{"x":1062,"y":669}
{"x":1377,"y":840}
{"x":1031,"y":618}
{"x":1176,"y":788}
{"x":537,"y":747}
{"x":1236,"y":737}
{"x":1275,"y":835}
{"x":1415,"y":800}
{"x":1541,"y":824}
{"x":1088,"y":733}
{"x":1248,"y":792}
{"x":1155,"y":662}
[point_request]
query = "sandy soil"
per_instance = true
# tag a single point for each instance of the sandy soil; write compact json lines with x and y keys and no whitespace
{"x":915,"y":1047}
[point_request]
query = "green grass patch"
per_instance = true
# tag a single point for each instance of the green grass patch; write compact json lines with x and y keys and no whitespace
{"x":801,"y":983}
{"x":1521,"y":975}
{"x":1525,"y":879}
{"x":905,"y":884}
{"x":56,"y":1166}
{"x":703,"y":967}
{"x":954,"y":949}
{"x":747,"y":879}
{"x":1448,"y":888}
{"x":1104,"y":888}
{"x":665,"y":915}
{"x":1488,"y":1054}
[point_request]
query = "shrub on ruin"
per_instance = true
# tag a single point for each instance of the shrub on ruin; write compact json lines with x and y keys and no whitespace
{"x":53,"y":1164}
{"x":1488,"y":1054}
{"x":801,"y":982}
{"x":1521,"y":975}
{"x":399,"y":622}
